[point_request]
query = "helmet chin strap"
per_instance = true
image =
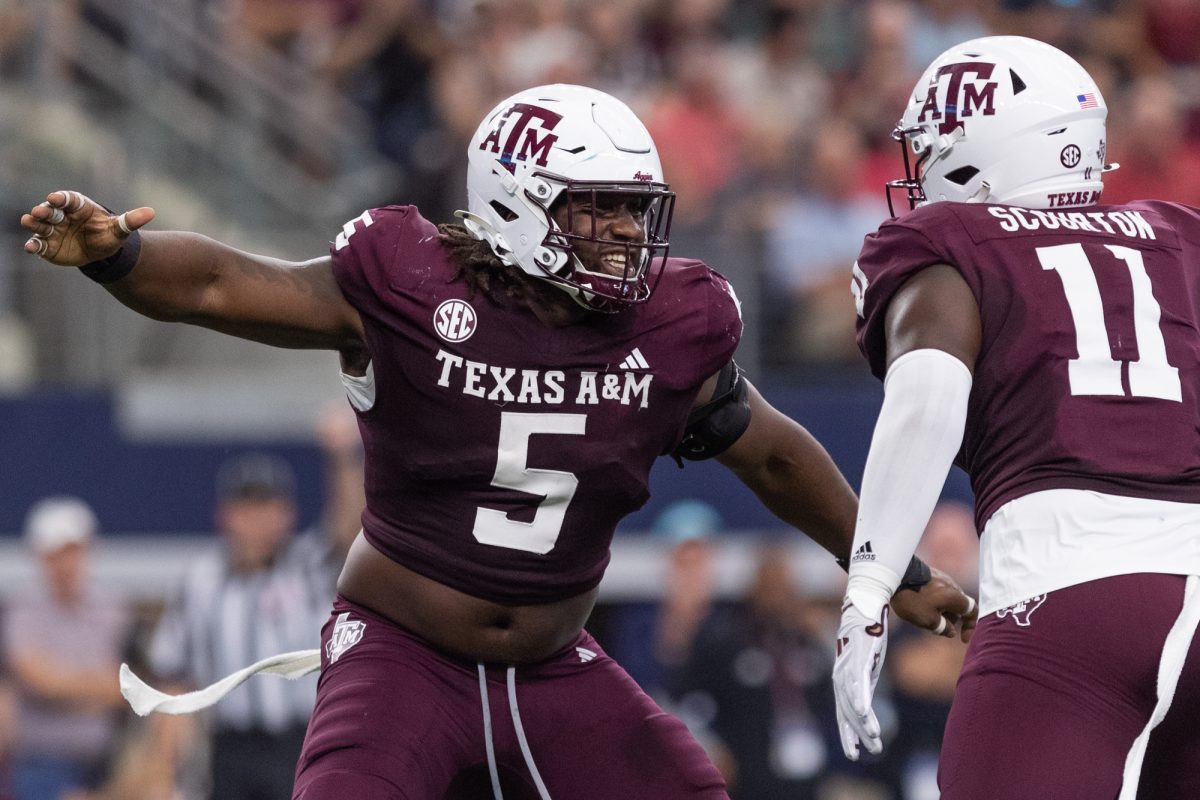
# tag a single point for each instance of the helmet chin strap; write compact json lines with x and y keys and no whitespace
{"x":576,"y":293}
{"x":580,"y":295}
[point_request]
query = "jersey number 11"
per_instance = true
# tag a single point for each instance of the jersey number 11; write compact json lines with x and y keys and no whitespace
{"x":1095,"y":371}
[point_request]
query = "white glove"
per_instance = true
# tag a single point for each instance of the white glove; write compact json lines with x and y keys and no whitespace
{"x":861,"y":644}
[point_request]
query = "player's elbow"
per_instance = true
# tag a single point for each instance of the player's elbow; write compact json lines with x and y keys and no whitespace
{"x":766,"y":473}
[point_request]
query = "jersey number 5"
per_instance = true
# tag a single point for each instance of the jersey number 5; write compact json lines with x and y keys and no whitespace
{"x":512,"y":472}
{"x":1095,"y":371}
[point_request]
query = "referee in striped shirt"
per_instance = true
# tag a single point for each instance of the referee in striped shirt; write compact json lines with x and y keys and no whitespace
{"x":265,"y":590}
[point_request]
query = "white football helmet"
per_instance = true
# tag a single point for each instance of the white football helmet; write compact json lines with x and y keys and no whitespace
{"x":563,"y":142}
{"x":1004,"y":119}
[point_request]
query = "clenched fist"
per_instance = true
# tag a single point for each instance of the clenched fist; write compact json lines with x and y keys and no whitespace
{"x":939,"y":606}
{"x":70,"y":229}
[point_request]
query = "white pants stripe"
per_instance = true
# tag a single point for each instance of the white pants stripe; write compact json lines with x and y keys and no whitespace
{"x":1170,"y":666}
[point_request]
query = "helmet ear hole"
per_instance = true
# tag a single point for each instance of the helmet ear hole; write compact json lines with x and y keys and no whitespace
{"x":961,"y":175}
{"x":506,"y":213}
{"x":1017,"y":84}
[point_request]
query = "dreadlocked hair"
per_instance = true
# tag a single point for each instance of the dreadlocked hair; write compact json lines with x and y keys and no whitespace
{"x":478,"y":267}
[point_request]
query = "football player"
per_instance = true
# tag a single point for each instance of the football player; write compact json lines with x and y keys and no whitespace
{"x":515,"y":377}
{"x":1050,"y":346}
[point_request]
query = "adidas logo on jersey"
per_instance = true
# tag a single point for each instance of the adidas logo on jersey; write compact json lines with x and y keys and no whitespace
{"x":864,"y":553}
{"x":635,"y":360}
{"x":585,"y":655}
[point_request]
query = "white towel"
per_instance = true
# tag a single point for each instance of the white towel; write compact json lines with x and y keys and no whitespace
{"x":144,"y":699}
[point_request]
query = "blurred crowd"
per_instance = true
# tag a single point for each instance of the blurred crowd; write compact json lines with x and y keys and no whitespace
{"x":772,"y":117}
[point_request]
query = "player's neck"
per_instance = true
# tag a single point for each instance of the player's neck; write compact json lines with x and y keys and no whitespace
{"x":553,"y":307}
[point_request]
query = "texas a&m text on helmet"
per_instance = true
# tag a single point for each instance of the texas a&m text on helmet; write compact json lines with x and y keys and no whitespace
{"x":565,"y":143}
{"x":1003,"y":119}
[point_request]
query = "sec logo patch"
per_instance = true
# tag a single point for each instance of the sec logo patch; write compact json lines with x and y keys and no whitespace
{"x":1070,"y":156}
{"x":454,"y":320}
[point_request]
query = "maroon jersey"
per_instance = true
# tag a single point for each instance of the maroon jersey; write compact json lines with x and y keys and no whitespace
{"x":1089,"y":367}
{"x":500,"y":452}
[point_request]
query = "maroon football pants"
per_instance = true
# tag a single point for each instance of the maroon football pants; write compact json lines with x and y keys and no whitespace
{"x":1051,"y":698}
{"x":396,"y":719}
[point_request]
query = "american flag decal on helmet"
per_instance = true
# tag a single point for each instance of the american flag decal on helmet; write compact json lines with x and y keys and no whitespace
{"x":1087,"y":100}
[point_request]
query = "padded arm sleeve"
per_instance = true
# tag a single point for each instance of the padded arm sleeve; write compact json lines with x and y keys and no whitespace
{"x":919,"y":431}
{"x":713,"y":427}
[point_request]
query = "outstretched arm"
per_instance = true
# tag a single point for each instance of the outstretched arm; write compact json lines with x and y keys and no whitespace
{"x":797,"y":480}
{"x":793,"y":475}
{"x":186,"y":277}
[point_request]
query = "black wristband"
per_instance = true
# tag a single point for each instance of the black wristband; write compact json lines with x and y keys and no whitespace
{"x":916,"y":576}
{"x":118,"y":265}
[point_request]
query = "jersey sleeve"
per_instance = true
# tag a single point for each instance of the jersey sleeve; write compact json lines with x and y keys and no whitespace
{"x":368,"y":253}
{"x":889,"y":257}
{"x":702,"y":318}
{"x":724,"y":316}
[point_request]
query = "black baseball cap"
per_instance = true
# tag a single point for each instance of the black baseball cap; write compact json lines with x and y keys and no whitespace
{"x":256,"y":476}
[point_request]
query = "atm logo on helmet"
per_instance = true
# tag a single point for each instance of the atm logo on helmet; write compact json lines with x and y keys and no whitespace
{"x":963,"y":99}
{"x":529,"y":135}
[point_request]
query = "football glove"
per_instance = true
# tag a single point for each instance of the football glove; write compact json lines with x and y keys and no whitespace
{"x":861,"y":644}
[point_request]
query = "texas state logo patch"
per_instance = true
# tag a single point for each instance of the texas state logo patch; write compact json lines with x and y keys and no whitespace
{"x":1022,"y":612}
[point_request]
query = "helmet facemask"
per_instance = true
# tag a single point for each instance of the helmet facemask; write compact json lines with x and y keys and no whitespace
{"x":631,"y":278}
{"x":910,"y":184}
